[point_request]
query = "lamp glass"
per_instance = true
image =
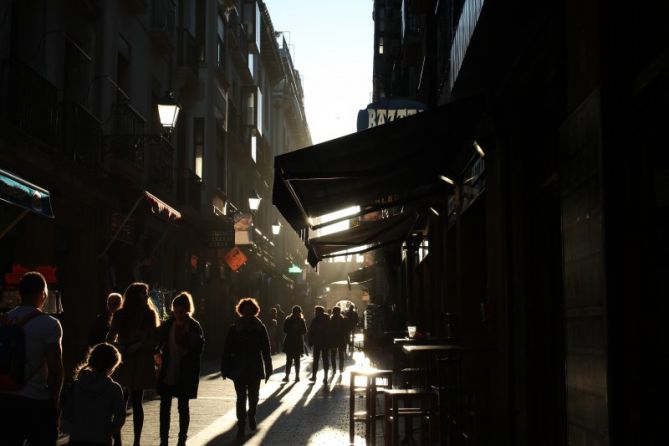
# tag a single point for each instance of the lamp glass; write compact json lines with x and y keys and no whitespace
{"x":254,"y":203}
{"x":276,"y":229}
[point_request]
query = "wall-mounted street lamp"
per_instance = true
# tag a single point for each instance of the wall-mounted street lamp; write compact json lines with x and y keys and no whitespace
{"x":276,"y":227}
{"x":254,"y":201}
{"x":168,"y":111}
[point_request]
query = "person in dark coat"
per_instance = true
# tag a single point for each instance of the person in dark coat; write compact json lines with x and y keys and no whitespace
{"x":318,"y":339}
{"x":178,"y":355}
{"x":247,"y":360}
{"x":352,"y":318}
{"x":134,"y":331}
{"x":100,"y":328}
{"x":339,"y":330}
{"x":293,"y":345}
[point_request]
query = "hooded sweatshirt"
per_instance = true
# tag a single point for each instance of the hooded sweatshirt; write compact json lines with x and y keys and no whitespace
{"x":95,"y":408}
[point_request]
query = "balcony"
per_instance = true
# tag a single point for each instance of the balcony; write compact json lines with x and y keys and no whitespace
{"x":30,"y":102}
{"x":81,"y":135}
{"x":187,"y":65}
{"x":237,"y":36}
{"x":161,"y":165}
{"x":163,"y":24}
{"x":189,"y":189}
{"x":124,"y":148}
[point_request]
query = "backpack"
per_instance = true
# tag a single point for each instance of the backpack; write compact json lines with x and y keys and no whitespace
{"x":13,"y":352}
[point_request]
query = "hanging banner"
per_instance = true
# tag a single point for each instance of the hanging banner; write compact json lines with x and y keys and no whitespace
{"x":235,"y":258}
{"x":243,"y":224}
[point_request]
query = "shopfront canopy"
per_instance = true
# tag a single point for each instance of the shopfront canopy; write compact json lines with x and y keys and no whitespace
{"x":368,"y":235}
{"x":391,"y":162}
{"x":19,"y":192}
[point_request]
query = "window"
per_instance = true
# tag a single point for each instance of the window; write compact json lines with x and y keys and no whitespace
{"x":254,"y":148}
{"x":380,"y":45}
{"x":200,"y":30}
{"x":198,"y":147}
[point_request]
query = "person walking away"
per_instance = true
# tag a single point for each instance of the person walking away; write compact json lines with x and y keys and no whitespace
{"x":280,"y":316}
{"x":100,"y":328}
{"x":339,"y":331}
{"x":95,"y":407}
{"x":352,"y":318}
{"x":294,"y":328}
{"x":29,"y":407}
{"x":272,"y":326}
{"x":179,"y":352}
{"x":134,"y":330}
{"x":318,"y":338}
{"x":246,"y":360}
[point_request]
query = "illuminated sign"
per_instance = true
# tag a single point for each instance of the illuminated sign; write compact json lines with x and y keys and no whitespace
{"x":294,"y":269}
{"x":387,"y":110}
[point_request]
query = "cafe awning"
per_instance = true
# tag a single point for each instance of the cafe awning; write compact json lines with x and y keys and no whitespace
{"x":393,"y":162}
{"x":19,"y":192}
{"x":367,"y":236}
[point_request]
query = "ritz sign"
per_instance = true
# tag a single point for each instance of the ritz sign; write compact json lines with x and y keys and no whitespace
{"x":387,"y":110}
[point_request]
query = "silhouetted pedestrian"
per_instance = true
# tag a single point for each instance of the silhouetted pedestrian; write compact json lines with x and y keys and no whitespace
{"x":318,"y":338}
{"x":30,"y":409}
{"x":293,"y":345}
{"x":280,"y":314}
{"x":134,"y":330}
{"x":100,"y":328}
{"x":180,"y":349}
{"x":272,"y":325}
{"x":339,"y":331}
{"x":95,"y":407}
{"x":352,"y":319}
{"x":246,"y":360}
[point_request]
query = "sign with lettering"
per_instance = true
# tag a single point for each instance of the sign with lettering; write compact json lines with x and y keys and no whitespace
{"x":221,"y":238}
{"x":387,"y":110}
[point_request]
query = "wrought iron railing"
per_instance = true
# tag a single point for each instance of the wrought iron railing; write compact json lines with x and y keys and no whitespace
{"x":81,"y":135}
{"x":161,"y":163}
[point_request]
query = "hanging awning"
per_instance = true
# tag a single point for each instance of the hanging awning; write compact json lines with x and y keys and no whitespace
{"x":157,"y":206}
{"x":367,"y":236}
{"x":19,"y":192}
{"x":161,"y":208}
{"x":391,"y":162}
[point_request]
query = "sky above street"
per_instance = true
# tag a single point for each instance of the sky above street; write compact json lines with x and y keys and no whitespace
{"x":332,"y":47}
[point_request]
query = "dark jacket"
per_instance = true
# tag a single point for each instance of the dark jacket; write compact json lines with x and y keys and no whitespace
{"x":339,"y":330}
{"x":319,"y":332}
{"x":295,"y":328}
{"x":246,"y":355}
{"x":190,"y":347}
{"x":100,"y":329}
{"x":351,"y":318}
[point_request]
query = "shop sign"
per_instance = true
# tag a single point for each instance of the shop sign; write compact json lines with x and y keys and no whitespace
{"x":243,"y":224}
{"x":235,"y":258}
{"x":14,"y":277}
{"x":388,"y":110}
{"x":294,"y":269}
{"x":223,"y":238}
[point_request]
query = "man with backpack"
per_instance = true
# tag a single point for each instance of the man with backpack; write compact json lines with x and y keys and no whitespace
{"x":31,"y":368}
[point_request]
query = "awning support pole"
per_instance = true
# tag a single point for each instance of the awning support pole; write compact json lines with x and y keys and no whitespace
{"x":120,"y":228}
{"x":13,"y":223}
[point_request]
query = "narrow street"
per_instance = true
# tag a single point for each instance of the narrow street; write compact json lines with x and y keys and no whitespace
{"x":292,"y":413}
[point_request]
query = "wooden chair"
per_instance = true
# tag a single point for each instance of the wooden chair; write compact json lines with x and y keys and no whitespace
{"x":368,"y":416}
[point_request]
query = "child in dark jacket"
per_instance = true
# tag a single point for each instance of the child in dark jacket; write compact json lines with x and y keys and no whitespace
{"x":95,"y":408}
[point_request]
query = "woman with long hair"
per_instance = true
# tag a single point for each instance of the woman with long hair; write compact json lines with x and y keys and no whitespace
{"x":179,"y":352}
{"x":134,"y":330}
{"x":293,"y":345}
{"x":247,"y":360}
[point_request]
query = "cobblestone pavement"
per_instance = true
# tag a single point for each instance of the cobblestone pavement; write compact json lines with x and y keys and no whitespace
{"x":293,"y":413}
